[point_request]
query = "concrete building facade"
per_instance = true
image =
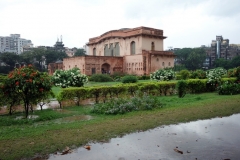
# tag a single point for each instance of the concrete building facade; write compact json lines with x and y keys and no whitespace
{"x":221,"y":48}
{"x":14,"y":43}
{"x":136,"y":51}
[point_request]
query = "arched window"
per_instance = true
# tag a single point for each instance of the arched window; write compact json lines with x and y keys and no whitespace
{"x":94,"y":51}
{"x":117,"y":49}
{"x":132,"y":47}
{"x":153,"y":46}
{"x":169,"y":63}
{"x":106,"y":50}
{"x":163,"y":64}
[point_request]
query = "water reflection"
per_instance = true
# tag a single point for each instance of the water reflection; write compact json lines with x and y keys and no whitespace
{"x":217,"y":138}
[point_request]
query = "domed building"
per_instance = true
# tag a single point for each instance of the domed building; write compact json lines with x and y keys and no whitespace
{"x":137,"y":51}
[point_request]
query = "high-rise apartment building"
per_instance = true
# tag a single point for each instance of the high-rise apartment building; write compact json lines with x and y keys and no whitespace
{"x":14,"y":43}
{"x":221,"y":48}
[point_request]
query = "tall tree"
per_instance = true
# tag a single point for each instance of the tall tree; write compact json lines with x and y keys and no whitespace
{"x":52,"y":56}
{"x":182,"y":54}
{"x":191,"y":58}
{"x":28,"y":84}
{"x":9,"y":58}
{"x":222,"y":63}
{"x":80,"y":52}
{"x":27,"y":57}
{"x":195,"y":59}
{"x":235,"y":61}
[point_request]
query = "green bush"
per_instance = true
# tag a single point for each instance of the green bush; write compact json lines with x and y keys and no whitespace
{"x":228,"y":88}
{"x":121,"y":106}
{"x":178,"y":77}
{"x":129,"y":79}
{"x":2,"y":78}
{"x":163,"y":74}
{"x":181,"y":88}
{"x":101,"y":78}
{"x":185,"y":74}
{"x":116,"y":76}
{"x":198,"y":74}
{"x":67,"y":78}
{"x":197,"y":85}
{"x":144,"y":77}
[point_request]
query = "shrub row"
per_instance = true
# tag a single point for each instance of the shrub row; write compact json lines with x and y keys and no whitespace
{"x":108,"y":92}
{"x":105,"y":93}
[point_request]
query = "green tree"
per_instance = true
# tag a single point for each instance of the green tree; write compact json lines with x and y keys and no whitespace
{"x":80,"y":52}
{"x":39,"y":58}
{"x":222,"y":63}
{"x":235,"y":62}
{"x":196,"y":58}
{"x":52,"y":56}
{"x":191,"y":58}
{"x":28,"y":84}
{"x":27,"y":57}
{"x":182,"y":55}
{"x":9,"y":58}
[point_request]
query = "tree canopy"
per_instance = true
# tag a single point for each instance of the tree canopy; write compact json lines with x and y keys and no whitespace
{"x":27,"y":84}
{"x":9,"y":58}
{"x":80,"y":52}
{"x":191,"y":58}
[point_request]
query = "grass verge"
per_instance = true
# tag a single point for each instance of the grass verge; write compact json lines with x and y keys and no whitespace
{"x":67,"y":128}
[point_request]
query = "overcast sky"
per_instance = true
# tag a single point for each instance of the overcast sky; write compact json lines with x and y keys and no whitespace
{"x":186,"y":23}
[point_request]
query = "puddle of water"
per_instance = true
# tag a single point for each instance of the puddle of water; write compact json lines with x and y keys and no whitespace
{"x":29,"y":117}
{"x":77,"y":118}
{"x":216,"y":138}
{"x":51,"y":104}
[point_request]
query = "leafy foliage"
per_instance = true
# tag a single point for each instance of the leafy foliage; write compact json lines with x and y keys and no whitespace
{"x":129,"y":79}
{"x":185,"y":74}
{"x":27,"y":84}
{"x":9,"y":58}
{"x":163,"y":75}
{"x":214,"y":75}
{"x":191,"y":58}
{"x":100,"y":78}
{"x":198,"y":74}
{"x":121,"y":106}
{"x":182,"y":88}
{"x":80,"y":52}
{"x":228,"y":88}
{"x":66,"y":78}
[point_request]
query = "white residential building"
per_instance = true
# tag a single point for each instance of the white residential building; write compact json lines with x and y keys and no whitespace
{"x":14,"y":43}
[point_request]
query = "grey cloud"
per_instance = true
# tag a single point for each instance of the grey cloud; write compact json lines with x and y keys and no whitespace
{"x":223,"y":8}
{"x":153,"y":8}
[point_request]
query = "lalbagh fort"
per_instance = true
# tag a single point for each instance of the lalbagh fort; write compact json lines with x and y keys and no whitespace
{"x":137,"y":51}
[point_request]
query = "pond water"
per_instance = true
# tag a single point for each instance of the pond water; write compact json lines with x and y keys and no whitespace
{"x":217,"y":138}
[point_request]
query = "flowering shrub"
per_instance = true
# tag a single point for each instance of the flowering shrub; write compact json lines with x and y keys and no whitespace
{"x":228,"y":88}
{"x":214,"y":75}
{"x":66,"y":78}
{"x":26,"y":84}
{"x":163,"y":75}
{"x":121,"y":106}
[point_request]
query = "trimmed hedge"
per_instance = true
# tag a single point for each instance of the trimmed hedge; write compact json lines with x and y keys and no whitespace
{"x":101,"y":78}
{"x":105,"y":93}
{"x":129,"y":79}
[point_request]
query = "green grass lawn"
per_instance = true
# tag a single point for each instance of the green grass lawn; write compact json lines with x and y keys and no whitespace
{"x":76,"y":126}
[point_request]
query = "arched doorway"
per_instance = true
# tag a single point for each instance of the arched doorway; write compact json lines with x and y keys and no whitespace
{"x":106,"y":68}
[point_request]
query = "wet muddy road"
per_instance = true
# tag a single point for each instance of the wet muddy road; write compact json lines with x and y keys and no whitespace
{"x":217,"y":139}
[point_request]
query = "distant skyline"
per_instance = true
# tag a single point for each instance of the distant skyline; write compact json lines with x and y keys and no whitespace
{"x":186,"y":23}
